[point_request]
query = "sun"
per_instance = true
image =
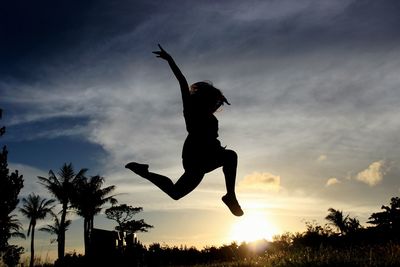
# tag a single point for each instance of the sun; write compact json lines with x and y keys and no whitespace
{"x":253,"y":226}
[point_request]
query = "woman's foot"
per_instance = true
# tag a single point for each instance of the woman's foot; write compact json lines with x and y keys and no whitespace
{"x":139,"y":169}
{"x":233,"y":205}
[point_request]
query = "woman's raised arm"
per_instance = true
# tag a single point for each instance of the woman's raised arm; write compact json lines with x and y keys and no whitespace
{"x":177,"y":72}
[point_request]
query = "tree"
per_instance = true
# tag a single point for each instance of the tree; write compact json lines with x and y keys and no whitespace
{"x":344,"y":224}
{"x":61,"y":188}
{"x":133,"y":226}
{"x":88,"y":199}
{"x":314,"y":236}
{"x":389,"y":219}
{"x":10,"y":186}
{"x":12,"y":255}
{"x":56,"y":228}
{"x":123,"y":215}
{"x":35,"y":208}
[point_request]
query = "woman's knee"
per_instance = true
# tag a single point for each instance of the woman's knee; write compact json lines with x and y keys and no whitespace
{"x":186,"y":184}
{"x":231,"y":156}
{"x":176,"y":195}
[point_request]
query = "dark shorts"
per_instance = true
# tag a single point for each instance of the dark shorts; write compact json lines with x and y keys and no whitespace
{"x":202,"y":155}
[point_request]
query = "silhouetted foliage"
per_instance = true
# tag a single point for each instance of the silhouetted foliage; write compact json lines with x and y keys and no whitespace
{"x":388,"y":221}
{"x":12,"y":255}
{"x":337,"y":219}
{"x":35,"y":208}
{"x":123,"y":215}
{"x":72,"y":260}
{"x":10,"y":187}
{"x":344,"y":224}
{"x":134,"y":226}
{"x":314,"y":236}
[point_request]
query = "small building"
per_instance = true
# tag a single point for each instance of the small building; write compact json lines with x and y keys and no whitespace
{"x":105,"y":241}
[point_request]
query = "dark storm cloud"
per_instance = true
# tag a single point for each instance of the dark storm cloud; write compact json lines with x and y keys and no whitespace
{"x":34,"y":32}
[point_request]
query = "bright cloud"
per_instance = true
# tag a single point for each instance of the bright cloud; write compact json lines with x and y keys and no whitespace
{"x":332,"y":181}
{"x":322,"y":158}
{"x":373,"y":175}
{"x":263,"y":181}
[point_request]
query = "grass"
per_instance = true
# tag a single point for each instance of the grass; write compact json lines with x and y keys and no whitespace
{"x":387,"y":255}
{"x":360,"y":256}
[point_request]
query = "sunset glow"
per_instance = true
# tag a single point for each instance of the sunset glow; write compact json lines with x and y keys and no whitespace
{"x":253,"y":226}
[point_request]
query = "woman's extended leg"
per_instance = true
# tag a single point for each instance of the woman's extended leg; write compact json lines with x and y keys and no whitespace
{"x":229,"y":162}
{"x":186,"y":183}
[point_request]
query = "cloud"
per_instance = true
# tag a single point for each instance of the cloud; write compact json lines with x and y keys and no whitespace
{"x":332,"y":181}
{"x":344,"y":97}
{"x":373,"y":175}
{"x":262,"y":181}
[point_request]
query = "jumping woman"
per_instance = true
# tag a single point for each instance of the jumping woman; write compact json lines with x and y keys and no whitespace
{"x":202,"y":151}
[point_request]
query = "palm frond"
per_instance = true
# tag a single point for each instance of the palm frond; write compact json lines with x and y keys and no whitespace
{"x":18,"y":235}
{"x":56,"y":228}
{"x":90,"y":196}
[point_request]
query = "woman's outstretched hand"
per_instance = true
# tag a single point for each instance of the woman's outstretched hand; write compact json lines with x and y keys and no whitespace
{"x":162,"y":53}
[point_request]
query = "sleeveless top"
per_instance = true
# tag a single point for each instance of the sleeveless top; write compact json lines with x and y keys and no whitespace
{"x":201,"y":141}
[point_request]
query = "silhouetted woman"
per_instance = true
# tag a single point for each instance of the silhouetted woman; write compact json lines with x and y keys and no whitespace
{"x":202,"y":151}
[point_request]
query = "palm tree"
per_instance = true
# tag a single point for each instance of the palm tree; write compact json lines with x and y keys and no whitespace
{"x":35,"y":208}
{"x":56,"y":228}
{"x":88,"y":199}
{"x":337,"y":219}
{"x":61,"y":187}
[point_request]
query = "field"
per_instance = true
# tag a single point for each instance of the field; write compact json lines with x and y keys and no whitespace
{"x":371,"y":256}
{"x":262,"y":253}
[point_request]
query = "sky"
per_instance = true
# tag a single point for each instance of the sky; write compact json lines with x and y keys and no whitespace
{"x":313,"y":84}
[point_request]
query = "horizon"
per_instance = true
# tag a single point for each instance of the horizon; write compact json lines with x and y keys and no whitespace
{"x":314,"y":117}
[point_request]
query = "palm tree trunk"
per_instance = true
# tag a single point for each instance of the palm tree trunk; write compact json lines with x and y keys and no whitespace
{"x":90,"y":232}
{"x":91,"y":225}
{"x":32,"y":246}
{"x":88,"y":227}
{"x":86,"y":235}
{"x":61,"y":237}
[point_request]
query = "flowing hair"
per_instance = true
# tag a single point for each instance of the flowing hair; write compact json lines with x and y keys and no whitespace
{"x":205,"y":94}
